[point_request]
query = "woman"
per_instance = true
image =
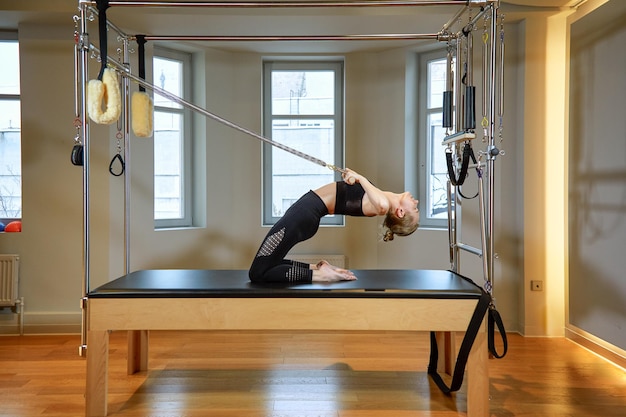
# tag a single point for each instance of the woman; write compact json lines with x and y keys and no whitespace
{"x":354,"y":196}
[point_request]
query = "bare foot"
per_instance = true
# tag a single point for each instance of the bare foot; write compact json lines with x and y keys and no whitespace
{"x":326,"y":272}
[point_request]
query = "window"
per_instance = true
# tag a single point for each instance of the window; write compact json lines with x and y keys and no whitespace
{"x":10,"y":127}
{"x":303,"y":109}
{"x":433,"y":174}
{"x":172,"y":141}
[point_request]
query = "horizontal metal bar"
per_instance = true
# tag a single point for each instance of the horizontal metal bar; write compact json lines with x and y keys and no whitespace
{"x":469,"y":249}
{"x":258,"y":38}
{"x":286,"y":4}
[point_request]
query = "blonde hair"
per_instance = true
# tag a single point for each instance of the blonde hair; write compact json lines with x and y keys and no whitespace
{"x":401,"y":226}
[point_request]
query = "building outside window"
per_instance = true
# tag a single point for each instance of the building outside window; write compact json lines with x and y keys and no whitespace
{"x":303,"y":109}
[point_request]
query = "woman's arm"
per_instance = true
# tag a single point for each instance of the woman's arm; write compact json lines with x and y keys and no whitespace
{"x":375,"y":201}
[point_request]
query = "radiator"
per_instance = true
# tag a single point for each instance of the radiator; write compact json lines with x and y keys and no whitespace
{"x":337,"y":260}
{"x":9,"y":274}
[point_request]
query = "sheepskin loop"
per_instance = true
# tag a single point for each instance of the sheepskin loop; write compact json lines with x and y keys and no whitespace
{"x":107,"y":93}
{"x":142,"y":113}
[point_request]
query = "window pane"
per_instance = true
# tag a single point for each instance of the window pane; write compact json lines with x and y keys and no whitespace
{"x":10,"y":115}
{"x":168,"y":174}
{"x":436,"y":83}
{"x":303,"y":92}
{"x":303,"y":104}
{"x":10,"y":68}
{"x":291,"y":175}
{"x":10,"y":134}
{"x":168,"y":75}
{"x":437,"y":170}
{"x":10,"y":160}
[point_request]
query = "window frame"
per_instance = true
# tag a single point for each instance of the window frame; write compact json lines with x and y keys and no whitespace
{"x":337,"y":66}
{"x":426,"y":146}
{"x":13,"y":37}
{"x":187,"y":219}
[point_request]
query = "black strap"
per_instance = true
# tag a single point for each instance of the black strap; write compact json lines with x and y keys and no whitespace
{"x":141,"y":50}
{"x":102,"y":5}
{"x":495,"y":319}
{"x":473,"y":157}
{"x":461,"y":360}
{"x":467,"y":151}
{"x":117,"y":157}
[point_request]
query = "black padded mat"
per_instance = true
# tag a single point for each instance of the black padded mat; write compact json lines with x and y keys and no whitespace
{"x":197,"y":283}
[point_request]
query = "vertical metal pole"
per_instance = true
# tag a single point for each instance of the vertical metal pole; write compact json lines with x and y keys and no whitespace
{"x":458,"y":92}
{"x":127,"y":177}
{"x":452,"y":230}
{"x":450,"y":84}
{"x":493,"y":151}
{"x":458,"y":102}
{"x":483,"y":235}
{"x":83,"y":58}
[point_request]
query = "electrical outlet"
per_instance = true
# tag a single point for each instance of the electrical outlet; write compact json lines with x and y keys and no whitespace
{"x":536,"y":285}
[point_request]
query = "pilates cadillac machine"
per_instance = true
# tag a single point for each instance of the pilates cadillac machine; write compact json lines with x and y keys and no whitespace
{"x":146,"y":300}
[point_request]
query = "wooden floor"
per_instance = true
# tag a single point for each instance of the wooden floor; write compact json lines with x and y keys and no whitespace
{"x":323,"y":374}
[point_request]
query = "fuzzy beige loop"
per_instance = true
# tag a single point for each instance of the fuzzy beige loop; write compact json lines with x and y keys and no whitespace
{"x":142,"y":113}
{"x":105,"y":92}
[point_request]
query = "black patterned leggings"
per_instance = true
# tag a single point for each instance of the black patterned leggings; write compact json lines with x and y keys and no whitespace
{"x":300,"y":222}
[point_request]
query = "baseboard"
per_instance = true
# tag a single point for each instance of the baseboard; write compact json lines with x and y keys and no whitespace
{"x":41,"y":323}
{"x":603,"y":349}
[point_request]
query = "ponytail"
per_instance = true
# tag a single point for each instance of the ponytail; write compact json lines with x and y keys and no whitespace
{"x":388,"y":235}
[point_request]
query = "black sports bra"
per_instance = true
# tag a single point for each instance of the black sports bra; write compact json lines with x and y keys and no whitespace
{"x":349,"y":199}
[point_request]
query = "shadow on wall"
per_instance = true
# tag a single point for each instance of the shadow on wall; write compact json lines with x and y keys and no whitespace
{"x":597,"y":290}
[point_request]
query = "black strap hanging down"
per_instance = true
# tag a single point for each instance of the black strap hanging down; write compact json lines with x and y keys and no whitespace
{"x":470,"y":335}
{"x":102,"y":5}
{"x":141,"y":50}
{"x":495,"y":319}
{"x":467,"y":152}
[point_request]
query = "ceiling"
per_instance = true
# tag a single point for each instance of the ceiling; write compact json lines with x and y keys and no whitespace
{"x":270,"y":21}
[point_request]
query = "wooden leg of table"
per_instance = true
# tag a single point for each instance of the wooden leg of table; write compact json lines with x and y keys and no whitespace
{"x":447,"y":352}
{"x":97,"y":363}
{"x":137,"y":351}
{"x":478,"y":378}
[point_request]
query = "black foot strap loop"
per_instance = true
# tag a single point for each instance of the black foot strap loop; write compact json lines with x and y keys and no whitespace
{"x":467,"y":152}
{"x":117,"y":158}
{"x":495,"y":319}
